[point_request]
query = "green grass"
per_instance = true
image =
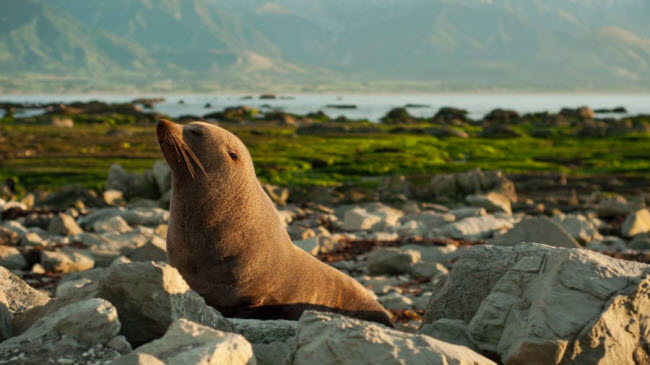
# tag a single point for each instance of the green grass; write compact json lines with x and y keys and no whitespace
{"x":47,"y":157}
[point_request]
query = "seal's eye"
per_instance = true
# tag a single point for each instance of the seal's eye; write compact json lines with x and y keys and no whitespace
{"x":233,"y":155}
{"x":196,"y":132}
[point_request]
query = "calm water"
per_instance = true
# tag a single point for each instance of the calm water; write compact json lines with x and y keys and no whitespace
{"x":368,"y":106}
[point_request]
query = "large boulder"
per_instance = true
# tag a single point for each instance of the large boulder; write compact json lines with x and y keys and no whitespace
{"x":536,"y":304}
{"x":187,"y":342}
{"x":536,"y":229}
{"x":325,"y":338}
{"x":148,"y":296}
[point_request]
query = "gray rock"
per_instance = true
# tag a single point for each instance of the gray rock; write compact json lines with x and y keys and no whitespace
{"x":63,"y":225}
{"x":358,"y":219}
{"x":473,"y":228}
{"x":640,"y":242}
{"x":265,"y":331}
{"x":450,"y":330}
{"x":33,"y":239}
{"x":274,"y":353}
{"x":395,"y":300}
{"x":617,"y":205}
{"x":428,"y":270}
{"x":391,"y":260}
{"x":11,"y":258}
{"x":636,"y":223}
{"x":154,"y":250}
{"x":492,"y":202}
{"x":120,"y":344}
{"x":136,"y":358}
{"x":534,"y":303}
{"x":148,"y":296}
{"x":324,"y":338}
{"x":17,"y":295}
{"x":5,"y":323}
{"x":66,"y":260}
{"x":536,"y":229}
{"x":187,"y":342}
{"x":310,"y":245}
{"x":114,"y":224}
{"x":9,"y":237}
{"x":467,"y":212}
{"x":132,"y":184}
{"x":90,"y":321}
{"x":579,"y":227}
{"x":435,"y":254}
{"x":162,"y":175}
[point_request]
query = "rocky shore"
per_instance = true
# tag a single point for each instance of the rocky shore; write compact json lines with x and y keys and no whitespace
{"x":473,"y":274}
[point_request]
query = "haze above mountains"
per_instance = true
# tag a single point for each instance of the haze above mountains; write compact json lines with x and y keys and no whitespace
{"x":321,"y":45}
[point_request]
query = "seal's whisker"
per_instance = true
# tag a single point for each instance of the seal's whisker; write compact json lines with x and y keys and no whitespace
{"x":194,"y":158}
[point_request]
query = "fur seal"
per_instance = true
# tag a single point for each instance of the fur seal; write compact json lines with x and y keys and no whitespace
{"x":226,"y":238}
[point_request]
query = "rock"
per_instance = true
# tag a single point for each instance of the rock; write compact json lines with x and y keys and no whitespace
{"x":310,"y":245}
{"x":534,"y":303}
{"x":435,"y":254}
{"x":536,"y":229}
{"x":466,"y":212}
{"x":395,"y":300}
{"x":63,"y":225}
{"x":636,"y":223}
{"x":449,"y":187}
{"x":90,"y":321}
{"x":33,"y":239}
{"x":394,"y":188}
{"x":136,"y":358}
{"x":275,"y":353}
{"x":66,"y":260}
{"x":428,"y":270}
{"x":154,"y":250}
{"x":187,"y":342}
{"x":334,"y":339}
{"x":132,"y":184}
{"x":265,"y":331}
{"x":640,"y":242}
{"x":616,"y":205}
{"x":120,"y":344}
{"x":358,"y":219}
{"x":11,"y":258}
{"x":473,"y":228}
{"x":162,"y":176}
{"x":148,"y":296}
{"x":492,"y":202}
{"x":69,"y":195}
{"x":17,"y":295}
{"x":9,"y":237}
{"x":391,"y":260}
{"x":113,"y":197}
{"x":115,"y":224}
{"x":5,"y":323}
{"x":450,"y":330}
{"x":578,"y":227}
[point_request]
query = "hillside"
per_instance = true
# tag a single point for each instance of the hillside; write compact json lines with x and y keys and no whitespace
{"x":393,"y":45}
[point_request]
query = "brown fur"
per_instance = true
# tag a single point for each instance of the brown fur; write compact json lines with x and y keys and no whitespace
{"x":227,"y":240}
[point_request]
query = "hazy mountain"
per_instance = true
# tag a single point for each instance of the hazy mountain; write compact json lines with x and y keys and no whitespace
{"x":208,"y":44}
{"x":39,"y":38}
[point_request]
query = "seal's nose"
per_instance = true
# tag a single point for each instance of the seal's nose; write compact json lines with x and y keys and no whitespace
{"x":163,"y":128}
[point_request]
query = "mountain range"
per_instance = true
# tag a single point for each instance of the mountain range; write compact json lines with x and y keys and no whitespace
{"x":321,"y":45}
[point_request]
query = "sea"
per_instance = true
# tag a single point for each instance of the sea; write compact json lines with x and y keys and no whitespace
{"x":356,"y":106}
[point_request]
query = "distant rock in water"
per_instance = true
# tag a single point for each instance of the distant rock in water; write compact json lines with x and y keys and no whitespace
{"x":617,"y":110}
{"x":501,"y":116}
{"x":583,"y":112}
{"x":65,"y":122}
{"x":449,"y":115}
{"x":341,"y":106}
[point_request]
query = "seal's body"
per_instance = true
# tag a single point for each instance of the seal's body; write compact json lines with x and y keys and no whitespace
{"x":228,"y":242}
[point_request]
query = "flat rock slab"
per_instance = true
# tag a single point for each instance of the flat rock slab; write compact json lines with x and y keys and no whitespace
{"x":324,"y":338}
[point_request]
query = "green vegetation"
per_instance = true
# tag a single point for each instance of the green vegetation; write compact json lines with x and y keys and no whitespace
{"x":47,"y":156}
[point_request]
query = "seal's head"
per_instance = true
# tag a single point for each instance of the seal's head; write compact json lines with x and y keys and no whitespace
{"x":199,"y":151}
